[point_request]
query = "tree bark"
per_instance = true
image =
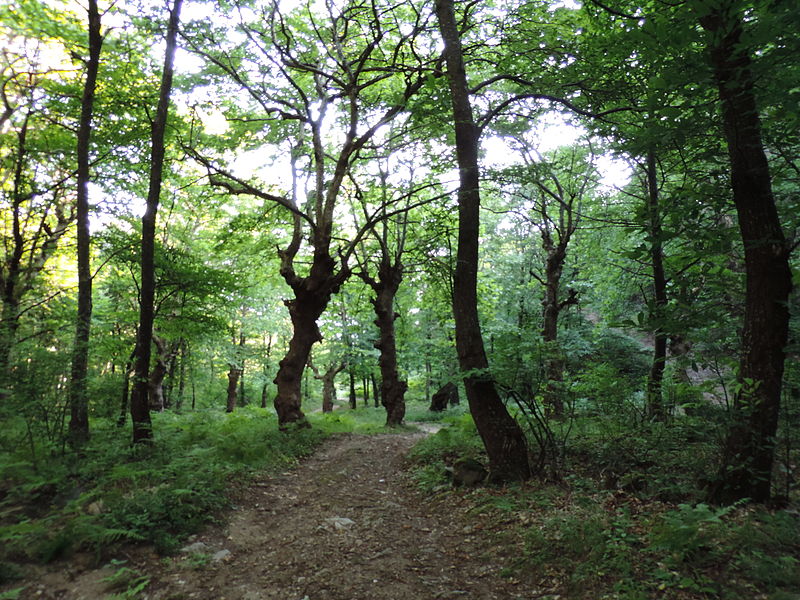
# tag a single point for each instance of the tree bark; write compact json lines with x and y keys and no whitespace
{"x":504,"y":441}
{"x":746,"y":469}
{"x":126,"y":388}
{"x":234,"y":372}
{"x":78,"y":397}
{"x":155,"y":385}
{"x":312,"y":295}
{"x":655,"y":401}
{"x":352,"y":400}
{"x":328,"y":379}
{"x":393,"y":388}
{"x":140,"y":412}
{"x":551,"y":310}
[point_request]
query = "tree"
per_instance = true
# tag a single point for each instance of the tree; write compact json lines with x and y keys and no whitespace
{"x":504,"y":441}
{"x":335,"y":71}
{"x":748,"y":455}
{"x":140,"y":412}
{"x":36,"y":164}
{"x":79,"y":422}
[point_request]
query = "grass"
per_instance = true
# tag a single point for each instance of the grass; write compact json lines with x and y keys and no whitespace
{"x":159,"y":494}
{"x":581,"y":538}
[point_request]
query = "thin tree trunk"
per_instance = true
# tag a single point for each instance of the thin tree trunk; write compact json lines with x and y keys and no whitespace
{"x":140,"y":412}
{"x":554,"y":364}
{"x":504,"y":441}
{"x":328,"y":379}
{"x":182,"y":375}
{"x":126,"y":388}
{"x":266,"y":363}
{"x":376,"y":397}
{"x":155,"y":386}
{"x":655,"y":401}
{"x":242,"y":400}
{"x":79,"y":401}
{"x":748,"y":455}
{"x":352,"y":395}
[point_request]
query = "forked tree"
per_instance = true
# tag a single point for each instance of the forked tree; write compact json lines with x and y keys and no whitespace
{"x":325,"y":82}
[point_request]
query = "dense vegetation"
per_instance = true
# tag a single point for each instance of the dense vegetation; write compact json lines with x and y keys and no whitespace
{"x":584,"y":215}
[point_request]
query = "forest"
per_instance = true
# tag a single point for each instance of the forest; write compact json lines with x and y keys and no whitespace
{"x":533,"y":261}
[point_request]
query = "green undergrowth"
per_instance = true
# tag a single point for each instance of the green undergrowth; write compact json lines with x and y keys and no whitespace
{"x":625,"y":520}
{"x":457,"y":439}
{"x":157,"y":494}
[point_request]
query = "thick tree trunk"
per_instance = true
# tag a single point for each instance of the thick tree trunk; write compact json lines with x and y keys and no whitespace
{"x":78,"y":400}
{"x":655,"y":401}
{"x":307,"y":306}
{"x":504,"y":441}
{"x":140,"y":413}
{"x":393,"y":388}
{"x":748,"y":455}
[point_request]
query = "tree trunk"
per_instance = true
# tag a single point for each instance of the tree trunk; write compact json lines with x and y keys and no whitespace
{"x":140,"y":413}
{"x":126,"y":388}
{"x":265,"y":386}
{"x":78,"y":400}
{"x":655,"y":400}
{"x":233,"y":381}
{"x":184,"y":353}
{"x":304,"y":311}
{"x":554,"y":364}
{"x":376,"y":397}
{"x":504,"y":441}
{"x":393,"y":388}
{"x":155,"y":385}
{"x":352,"y":395}
{"x":746,"y":469}
{"x":328,"y":379}
{"x":9,"y":323}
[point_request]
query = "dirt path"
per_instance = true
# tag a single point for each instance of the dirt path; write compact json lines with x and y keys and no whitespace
{"x":347,"y":524}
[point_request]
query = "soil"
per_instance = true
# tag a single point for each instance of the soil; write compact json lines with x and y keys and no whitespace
{"x":346,"y":524}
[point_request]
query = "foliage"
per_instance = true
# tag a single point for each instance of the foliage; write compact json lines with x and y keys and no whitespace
{"x":159,"y":494}
{"x":645,"y":536}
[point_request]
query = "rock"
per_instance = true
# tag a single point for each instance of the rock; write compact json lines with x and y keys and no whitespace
{"x":467,"y":472}
{"x":221,"y":555}
{"x":95,"y":508}
{"x":338,"y":524}
{"x":197,"y":547}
